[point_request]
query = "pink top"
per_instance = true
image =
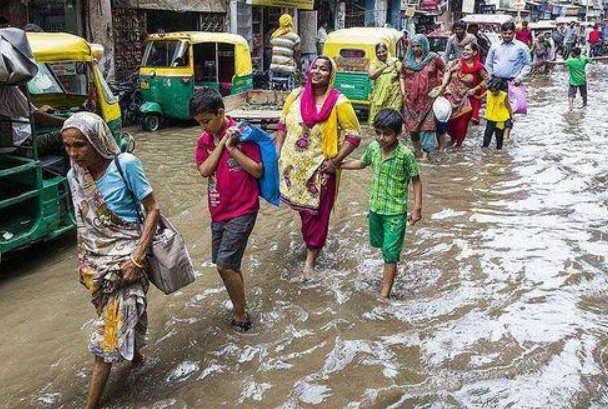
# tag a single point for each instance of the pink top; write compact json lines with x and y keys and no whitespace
{"x":232,"y":192}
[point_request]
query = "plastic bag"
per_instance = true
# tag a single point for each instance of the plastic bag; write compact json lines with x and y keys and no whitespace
{"x":17,"y":65}
{"x":517,"y":98}
{"x":269,"y":182}
{"x":442,"y":108}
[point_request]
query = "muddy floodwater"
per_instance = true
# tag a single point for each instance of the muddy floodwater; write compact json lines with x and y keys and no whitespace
{"x":502,"y":303}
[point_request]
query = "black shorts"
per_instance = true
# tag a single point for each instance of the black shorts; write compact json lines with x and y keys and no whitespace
{"x":229,"y":241}
{"x":582,"y":89}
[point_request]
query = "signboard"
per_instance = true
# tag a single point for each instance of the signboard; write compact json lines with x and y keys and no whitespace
{"x":487,"y":9}
{"x":410,"y":11}
{"x":428,"y":5}
{"x":64,"y":69}
{"x":204,"y":6}
{"x":298,"y":4}
{"x":519,"y":4}
{"x":468,"y":6}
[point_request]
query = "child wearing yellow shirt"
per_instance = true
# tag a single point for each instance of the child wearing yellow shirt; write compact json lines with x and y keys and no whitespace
{"x":498,"y":113}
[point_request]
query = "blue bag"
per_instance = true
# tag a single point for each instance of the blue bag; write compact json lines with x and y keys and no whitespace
{"x":269,"y":182}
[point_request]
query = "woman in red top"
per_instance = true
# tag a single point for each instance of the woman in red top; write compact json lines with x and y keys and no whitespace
{"x":463,"y":84}
{"x":421,"y":73}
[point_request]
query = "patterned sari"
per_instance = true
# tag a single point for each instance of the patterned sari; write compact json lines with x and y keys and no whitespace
{"x":420,"y":79}
{"x":464,"y":78}
{"x":386,"y":92}
{"x":105,"y":242}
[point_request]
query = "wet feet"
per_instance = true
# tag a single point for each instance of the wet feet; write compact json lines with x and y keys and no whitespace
{"x":241,"y":325}
{"x":308,"y":273}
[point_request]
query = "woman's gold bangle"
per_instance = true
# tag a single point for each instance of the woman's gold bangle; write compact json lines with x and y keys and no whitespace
{"x":135,"y":262}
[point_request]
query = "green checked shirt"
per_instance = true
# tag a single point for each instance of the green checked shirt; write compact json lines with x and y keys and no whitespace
{"x":390,"y":178}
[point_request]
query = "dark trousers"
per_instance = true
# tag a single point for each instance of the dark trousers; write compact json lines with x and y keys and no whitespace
{"x":492,"y":129}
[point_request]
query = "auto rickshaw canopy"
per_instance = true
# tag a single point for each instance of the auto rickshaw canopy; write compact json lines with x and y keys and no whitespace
{"x":49,"y":47}
{"x":488,"y":19}
{"x":364,"y":38}
{"x":242,"y":55}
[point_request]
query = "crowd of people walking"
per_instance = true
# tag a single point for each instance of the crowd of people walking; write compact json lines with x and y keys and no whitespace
{"x":315,"y":140}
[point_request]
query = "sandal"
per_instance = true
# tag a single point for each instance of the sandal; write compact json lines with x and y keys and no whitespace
{"x":242,"y":326}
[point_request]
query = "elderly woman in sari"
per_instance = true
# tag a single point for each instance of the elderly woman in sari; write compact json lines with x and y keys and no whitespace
{"x":318,"y":130}
{"x":464,"y":80}
{"x":421,"y":73}
{"x":384,"y":72}
{"x":112,"y":245}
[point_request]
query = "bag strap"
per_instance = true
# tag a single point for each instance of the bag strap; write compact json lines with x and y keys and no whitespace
{"x":140,"y":218}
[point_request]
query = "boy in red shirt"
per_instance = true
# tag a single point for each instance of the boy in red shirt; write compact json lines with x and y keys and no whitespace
{"x":232,"y":168}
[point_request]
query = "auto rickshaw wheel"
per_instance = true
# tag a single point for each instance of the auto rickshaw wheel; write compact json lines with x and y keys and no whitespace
{"x":150,"y":123}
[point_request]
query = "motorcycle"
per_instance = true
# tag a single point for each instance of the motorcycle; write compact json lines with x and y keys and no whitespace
{"x":129,"y":98}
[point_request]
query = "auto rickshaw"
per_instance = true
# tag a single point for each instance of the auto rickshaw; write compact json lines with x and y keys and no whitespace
{"x":175,"y":64}
{"x":35,"y":203}
{"x":438,"y":41}
{"x":353,"y":49}
{"x":489,"y":24}
{"x":541,"y":27}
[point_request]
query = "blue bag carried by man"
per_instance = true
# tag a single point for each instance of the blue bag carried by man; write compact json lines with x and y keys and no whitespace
{"x":269,"y":182}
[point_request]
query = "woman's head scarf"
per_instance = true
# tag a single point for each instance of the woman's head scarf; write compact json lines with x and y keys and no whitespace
{"x":96,"y":131}
{"x":308,"y":105}
{"x":427,"y":55}
{"x":477,"y":65}
{"x":285,"y":26}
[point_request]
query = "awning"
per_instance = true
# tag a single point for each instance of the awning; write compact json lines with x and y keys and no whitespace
{"x":201,"y":6}
{"x":297,"y":4}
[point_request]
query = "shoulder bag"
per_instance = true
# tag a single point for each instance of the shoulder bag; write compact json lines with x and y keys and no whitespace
{"x":169,"y":264}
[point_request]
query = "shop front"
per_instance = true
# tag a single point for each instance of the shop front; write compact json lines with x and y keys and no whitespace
{"x":49,"y":15}
{"x":133,"y":20}
{"x":265,"y":16}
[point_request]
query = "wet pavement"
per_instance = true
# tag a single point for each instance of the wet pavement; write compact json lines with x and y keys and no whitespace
{"x":502,"y":303}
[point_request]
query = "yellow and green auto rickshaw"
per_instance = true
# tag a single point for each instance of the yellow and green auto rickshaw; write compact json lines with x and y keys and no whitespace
{"x":174,"y":64}
{"x":69,"y":79}
{"x":353,"y":49}
{"x":35,"y":203}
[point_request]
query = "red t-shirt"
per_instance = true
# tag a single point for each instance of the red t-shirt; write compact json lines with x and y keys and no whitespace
{"x":231,"y":192}
{"x":594,"y":36}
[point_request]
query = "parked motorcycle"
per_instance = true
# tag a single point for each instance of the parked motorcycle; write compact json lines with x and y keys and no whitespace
{"x":129,"y":99}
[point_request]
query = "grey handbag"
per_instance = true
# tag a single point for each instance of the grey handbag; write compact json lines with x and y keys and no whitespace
{"x":169,"y":264}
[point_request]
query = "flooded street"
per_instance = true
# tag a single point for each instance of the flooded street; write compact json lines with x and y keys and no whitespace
{"x":502,"y":303}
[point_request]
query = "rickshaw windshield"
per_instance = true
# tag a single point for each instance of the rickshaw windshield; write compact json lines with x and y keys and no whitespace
{"x":66,"y":77}
{"x":166,"y":53}
{"x":438,"y":44}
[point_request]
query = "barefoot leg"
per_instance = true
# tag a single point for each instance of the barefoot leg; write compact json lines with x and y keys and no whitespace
{"x":99,"y":378}
{"x":311,"y":262}
{"x":234,"y":283}
{"x":390,"y":271}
